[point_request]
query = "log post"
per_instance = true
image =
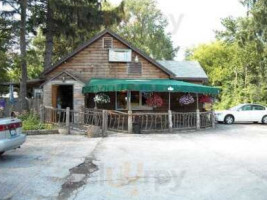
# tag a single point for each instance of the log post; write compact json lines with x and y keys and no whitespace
{"x":130,"y":113}
{"x":198,"y":114}
{"x":42,"y":113}
{"x":81,"y":121}
{"x":105,"y":122}
{"x":170,"y":120}
{"x":130,"y":121}
{"x":198,"y":119}
{"x":213,"y":120}
{"x":68,"y":120}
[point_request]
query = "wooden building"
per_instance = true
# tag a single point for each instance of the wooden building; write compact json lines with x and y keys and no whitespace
{"x":107,"y":57}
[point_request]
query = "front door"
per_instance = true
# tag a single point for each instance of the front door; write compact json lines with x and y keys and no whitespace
{"x":62,"y":96}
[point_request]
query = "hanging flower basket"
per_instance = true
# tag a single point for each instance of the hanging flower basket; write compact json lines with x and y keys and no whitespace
{"x":154,"y":101}
{"x":186,"y":99}
{"x":101,"y":98}
{"x":205,"y":99}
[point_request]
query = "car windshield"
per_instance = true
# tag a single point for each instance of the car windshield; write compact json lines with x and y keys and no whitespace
{"x":235,"y":108}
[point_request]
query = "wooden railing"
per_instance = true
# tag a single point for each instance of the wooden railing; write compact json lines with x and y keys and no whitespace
{"x":117,"y":121}
{"x":138,"y":122}
{"x":92,"y":117}
{"x":182,"y":121}
{"x":53,"y":115}
{"x":150,"y":122}
{"x":206,"y":119}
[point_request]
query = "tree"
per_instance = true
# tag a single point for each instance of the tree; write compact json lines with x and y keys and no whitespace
{"x":67,"y":22}
{"x":237,"y":61}
{"x":19,"y":7}
{"x":5,"y":37}
{"x":23,"y":83}
{"x":144,"y":26}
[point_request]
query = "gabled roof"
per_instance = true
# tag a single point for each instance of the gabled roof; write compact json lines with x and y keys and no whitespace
{"x":61,"y":73}
{"x":185,"y":70}
{"x":83,"y":46}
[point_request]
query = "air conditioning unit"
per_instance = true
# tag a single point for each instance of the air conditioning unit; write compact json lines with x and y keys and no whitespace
{"x":120,"y":55}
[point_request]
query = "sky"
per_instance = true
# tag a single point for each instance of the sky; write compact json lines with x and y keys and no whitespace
{"x":192,"y":22}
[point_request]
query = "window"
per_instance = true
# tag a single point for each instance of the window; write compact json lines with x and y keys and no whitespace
{"x":246,"y":108}
{"x":135,"y":99}
{"x":138,"y":100}
{"x":107,"y":42}
{"x":135,"y":68}
{"x":257,"y":107}
{"x":37,"y":93}
{"x":121,"y":100}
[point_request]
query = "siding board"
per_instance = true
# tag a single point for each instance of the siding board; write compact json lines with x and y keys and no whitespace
{"x":92,"y":62}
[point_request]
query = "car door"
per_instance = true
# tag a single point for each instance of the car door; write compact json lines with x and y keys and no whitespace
{"x":244,"y":114}
{"x":258,"y":112}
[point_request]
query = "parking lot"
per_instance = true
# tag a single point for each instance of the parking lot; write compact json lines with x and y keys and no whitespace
{"x":229,"y":162}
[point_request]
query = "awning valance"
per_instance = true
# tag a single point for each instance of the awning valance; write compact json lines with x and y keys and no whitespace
{"x":146,"y":85}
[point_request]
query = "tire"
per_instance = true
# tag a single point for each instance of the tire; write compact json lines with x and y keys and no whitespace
{"x":229,"y":119}
{"x":264,"y":119}
{"x":1,"y":153}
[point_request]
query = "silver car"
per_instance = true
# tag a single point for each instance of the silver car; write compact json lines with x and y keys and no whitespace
{"x":10,"y":134}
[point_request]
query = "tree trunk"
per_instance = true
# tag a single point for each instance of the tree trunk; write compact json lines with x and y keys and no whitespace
{"x":49,"y":43}
{"x":23,"y":83}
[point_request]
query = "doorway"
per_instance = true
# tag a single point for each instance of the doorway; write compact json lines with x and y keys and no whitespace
{"x":62,"y":96}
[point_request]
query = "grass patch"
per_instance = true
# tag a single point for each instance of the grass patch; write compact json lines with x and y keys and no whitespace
{"x":31,"y":121}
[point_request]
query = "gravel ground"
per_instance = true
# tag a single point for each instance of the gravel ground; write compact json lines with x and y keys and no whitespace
{"x":227,"y":163}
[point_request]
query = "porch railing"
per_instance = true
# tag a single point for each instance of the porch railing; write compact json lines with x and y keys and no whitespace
{"x":206,"y":119}
{"x":138,"y":122}
{"x":181,"y":120}
{"x":151,"y":122}
{"x":117,"y":121}
{"x":53,"y":115}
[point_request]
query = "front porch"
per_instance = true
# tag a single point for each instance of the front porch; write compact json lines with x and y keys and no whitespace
{"x":132,"y":105}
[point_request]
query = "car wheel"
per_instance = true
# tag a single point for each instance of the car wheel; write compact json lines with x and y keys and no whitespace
{"x":229,"y":119}
{"x":1,"y":153}
{"x":264,"y":119}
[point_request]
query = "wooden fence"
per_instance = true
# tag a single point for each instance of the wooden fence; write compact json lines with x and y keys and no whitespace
{"x":34,"y":105}
{"x":137,"y":122}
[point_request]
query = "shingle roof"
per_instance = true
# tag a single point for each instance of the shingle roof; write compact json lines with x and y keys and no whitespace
{"x":185,"y":70}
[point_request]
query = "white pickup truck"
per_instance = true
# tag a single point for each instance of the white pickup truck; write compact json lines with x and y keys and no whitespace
{"x":10,"y":134}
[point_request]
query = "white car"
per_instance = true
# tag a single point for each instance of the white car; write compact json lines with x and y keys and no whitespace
{"x":10,"y":134}
{"x":243,"y":113}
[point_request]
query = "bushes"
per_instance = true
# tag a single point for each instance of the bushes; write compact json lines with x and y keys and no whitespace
{"x":31,"y":121}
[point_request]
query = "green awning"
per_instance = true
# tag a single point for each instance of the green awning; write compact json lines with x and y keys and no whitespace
{"x":146,"y":85}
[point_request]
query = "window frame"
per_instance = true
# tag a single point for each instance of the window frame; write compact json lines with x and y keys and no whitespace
{"x":103,"y":42}
{"x":139,"y":107}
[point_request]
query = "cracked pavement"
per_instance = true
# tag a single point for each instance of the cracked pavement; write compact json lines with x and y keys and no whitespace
{"x":227,"y":163}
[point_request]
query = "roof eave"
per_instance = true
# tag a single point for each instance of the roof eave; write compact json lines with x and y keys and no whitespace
{"x":191,"y":78}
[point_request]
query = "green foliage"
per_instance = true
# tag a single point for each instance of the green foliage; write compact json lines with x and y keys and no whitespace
{"x":143,"y":24}
{"x":237,"y":61}
{"x":5,"y":36}
{"x":30,"y":121}
{"x":34,"y":59}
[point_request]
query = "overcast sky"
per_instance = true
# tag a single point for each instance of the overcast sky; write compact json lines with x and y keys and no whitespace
{"x":192,"y":22}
